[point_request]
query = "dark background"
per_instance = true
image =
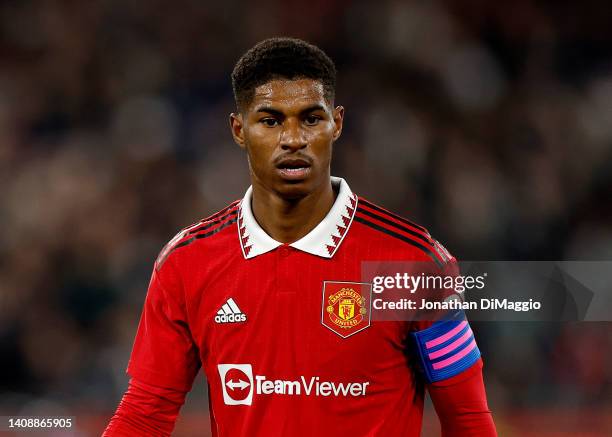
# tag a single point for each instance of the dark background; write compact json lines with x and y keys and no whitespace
{"x":488,"y":122}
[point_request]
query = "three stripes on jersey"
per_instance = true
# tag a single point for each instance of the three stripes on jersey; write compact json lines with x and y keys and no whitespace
{"x":212,"y":224}
{"x":367,"y":213}
{"x":398,"y":227}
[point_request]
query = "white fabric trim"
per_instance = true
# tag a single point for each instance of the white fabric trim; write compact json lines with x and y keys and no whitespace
{"x":322,"y":241}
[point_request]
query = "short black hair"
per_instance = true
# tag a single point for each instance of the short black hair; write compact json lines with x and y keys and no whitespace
{"x":281,"y":58}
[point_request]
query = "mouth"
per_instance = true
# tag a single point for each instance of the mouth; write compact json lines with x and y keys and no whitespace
{"x":294,"y":169}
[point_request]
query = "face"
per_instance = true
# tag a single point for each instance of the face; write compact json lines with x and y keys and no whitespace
{"x":287,"y":131}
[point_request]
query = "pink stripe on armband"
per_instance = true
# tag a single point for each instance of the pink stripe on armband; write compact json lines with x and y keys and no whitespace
{"x":454,"y":345}
{"x":447,"y":362}
{"x":444,"y":337}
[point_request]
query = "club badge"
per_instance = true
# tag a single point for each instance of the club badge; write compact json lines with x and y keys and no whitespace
{"x":346,"y":307}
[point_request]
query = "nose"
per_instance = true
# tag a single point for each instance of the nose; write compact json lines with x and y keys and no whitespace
{"x":292,"y":136}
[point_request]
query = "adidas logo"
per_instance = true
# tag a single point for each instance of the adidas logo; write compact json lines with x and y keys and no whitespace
{"x":230,"y":313}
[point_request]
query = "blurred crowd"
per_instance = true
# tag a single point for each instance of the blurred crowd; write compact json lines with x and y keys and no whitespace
{"x":489,"y":124}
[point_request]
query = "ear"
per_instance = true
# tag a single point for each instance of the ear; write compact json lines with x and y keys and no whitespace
{"x":338,"y":116}
{"x":237,"y":128}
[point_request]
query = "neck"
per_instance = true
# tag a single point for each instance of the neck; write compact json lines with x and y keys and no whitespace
{"x":288,"y":220}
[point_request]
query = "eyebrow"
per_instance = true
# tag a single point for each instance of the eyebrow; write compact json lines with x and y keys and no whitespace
{"x":276,"y":112}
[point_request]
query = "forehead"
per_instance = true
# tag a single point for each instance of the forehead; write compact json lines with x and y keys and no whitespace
{"x":288,"y":95}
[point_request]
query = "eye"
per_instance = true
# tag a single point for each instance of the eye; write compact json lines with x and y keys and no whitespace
{"x":312,"y":120}
{"x":269,"y":122}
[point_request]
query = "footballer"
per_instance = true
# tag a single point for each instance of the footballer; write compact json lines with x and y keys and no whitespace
{"x":266,"y":295}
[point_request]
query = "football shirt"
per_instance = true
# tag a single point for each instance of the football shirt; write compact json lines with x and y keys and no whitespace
{"x":284,"y":332}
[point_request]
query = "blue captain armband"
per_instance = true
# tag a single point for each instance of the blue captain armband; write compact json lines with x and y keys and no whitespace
{"x":446,"y":348}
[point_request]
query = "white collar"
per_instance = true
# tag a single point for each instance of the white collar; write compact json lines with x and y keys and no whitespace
{"x":322,"y":241}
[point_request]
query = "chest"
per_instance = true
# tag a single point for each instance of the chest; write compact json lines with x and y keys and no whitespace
{"x":292,"y":312}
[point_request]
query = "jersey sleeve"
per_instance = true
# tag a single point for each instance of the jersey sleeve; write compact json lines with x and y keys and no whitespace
{"x":145,"y":410}
{"x":461,"y":404}
{"x":444,"y":344}
{"x":164,"y":353}
{"x":446,"y":348}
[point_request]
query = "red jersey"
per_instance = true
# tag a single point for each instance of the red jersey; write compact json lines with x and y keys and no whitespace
{"x":284,"y":331}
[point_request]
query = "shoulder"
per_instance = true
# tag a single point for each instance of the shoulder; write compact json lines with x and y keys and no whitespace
{"x":208,"y":229}
{"x":399,"y":233}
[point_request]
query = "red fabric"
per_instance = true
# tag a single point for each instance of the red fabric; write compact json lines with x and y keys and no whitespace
{"x":461,"y":404}
{"x":282,"y":343}
{"x":164,"y":353}
{"x":145,"y":410}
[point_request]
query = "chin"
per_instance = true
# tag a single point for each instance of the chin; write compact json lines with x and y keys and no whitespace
{"x":294,"y":190}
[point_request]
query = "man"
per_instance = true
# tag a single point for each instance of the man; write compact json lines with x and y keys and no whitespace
{"x":239,"y":293}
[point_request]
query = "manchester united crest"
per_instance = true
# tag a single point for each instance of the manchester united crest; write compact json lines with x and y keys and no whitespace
{"x":346,"y":307}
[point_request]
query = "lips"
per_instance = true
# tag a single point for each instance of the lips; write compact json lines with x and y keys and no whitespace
{"x":294,"y":168}
{"x":293,"y":163}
